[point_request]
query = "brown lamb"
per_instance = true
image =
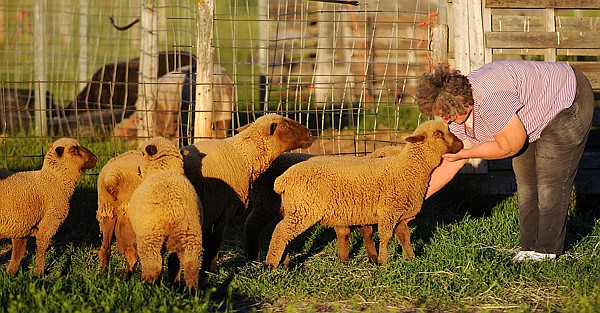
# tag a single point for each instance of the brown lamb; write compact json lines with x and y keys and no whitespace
{"x":165,"y":210}
{"x":264,"y":205}
{"x":117,"y":181}
{"x":222,"y":171}
{"x":36,"y":203}
{"x":386,"y":191}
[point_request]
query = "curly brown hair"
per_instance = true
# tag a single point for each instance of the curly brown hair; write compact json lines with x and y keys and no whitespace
{"x":444,"y":92}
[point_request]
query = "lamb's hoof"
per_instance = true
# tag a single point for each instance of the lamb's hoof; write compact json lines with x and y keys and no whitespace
{"x":103,"y":259}
{"x":271,"y":266}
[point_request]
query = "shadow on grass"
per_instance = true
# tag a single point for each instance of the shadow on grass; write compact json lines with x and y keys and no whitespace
{"x":585,"y":211}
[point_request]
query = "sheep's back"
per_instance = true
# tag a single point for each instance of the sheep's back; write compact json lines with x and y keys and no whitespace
{"x":164,"y":200}
{"x":22,"y":204}
{"x":120,"y":174}
{"x":349,"y":190}
{"x":220,"y":176}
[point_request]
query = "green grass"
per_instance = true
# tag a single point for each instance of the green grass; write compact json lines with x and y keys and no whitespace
{"x":463,"y":243}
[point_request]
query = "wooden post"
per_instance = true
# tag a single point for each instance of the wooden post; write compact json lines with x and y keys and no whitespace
{"x":263,"y":53}
{"x":468,"y":35}
{"x":3,"y":12}
{"x":83,"y":46}
{"x":461,"y":35}
{"x":487,"y":27}
{"x":476,"y":42}
{"x":148,"y":74}
{"x":203,"y":120}
{"x":439,"y":49}
{"x":550,"y":53}
{"x":469,"y":53}
{"x":332,"y":82}
{"x":39,"y":11}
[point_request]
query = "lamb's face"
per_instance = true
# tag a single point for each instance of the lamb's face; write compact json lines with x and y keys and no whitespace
{"x":436,"y":132}
{"x":289,"y":133}
{"x":161,"y":154}
{"x":67,"y":152}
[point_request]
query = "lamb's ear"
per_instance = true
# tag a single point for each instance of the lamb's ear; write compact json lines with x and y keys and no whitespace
{"x":273,"y":128}
{"x":112,"y":192}
{"x":60,"y":151}
{"x":184,"y":152}
{"x":151,"y":150}
{"x":415,"y":138}
{"x":438,"y":134}
{"x":242,"y":128}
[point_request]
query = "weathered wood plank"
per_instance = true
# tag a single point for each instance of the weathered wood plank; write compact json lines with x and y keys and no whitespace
{"x":594,"y":78}
{"x":510,"y":23}
{"x":531,"y":23}
{"x":562,"y":52}
{"x":542,"y":40}
{"x":574,"y":23}
{"x":524,"y":51}
{"x":578,"y":52}
{"x":586,"y":66}
{"x":542,"y":4}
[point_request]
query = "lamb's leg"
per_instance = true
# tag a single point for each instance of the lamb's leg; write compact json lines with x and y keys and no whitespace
{"x":107,"y":228}
{"x":131,"y":256}
{"x":126,"y":244}
{"x":253,"y":226}
{"x":149,"y":250}
{"x":40,"y":255}
{"x":284,"y":232}
{"x":211,"y":241}
{"x":367,"y":233}
{"x":403,"y":235}
{"x":191,"y":264}
{"x":385,"y":234}
{"x":343,"y":234}
{"x":46,"y":230}
{"x":19,"y":246}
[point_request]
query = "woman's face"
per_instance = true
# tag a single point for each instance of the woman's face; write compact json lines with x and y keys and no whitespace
{"x":459,"y":118}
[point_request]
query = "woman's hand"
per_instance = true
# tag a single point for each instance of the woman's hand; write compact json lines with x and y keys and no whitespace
{"x":460,"y":155}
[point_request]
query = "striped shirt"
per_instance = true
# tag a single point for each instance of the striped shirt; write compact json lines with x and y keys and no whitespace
{"x":535,"y":91}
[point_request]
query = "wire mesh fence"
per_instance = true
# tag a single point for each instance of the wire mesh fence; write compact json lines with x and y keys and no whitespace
{"x":345,"y":69}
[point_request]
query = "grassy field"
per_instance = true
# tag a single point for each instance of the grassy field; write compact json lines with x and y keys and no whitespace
{"x":463,"y":243}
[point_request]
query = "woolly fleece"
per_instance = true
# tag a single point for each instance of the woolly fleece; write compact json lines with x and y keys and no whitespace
{"x":117,"y":181}
{"x":36,"y":203}
{"x":385,"y":191}
{"x":165,"y":209}
{"x":223,"y":170}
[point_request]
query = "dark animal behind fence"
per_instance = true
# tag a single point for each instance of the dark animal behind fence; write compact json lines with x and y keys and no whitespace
{"x":111,"y":93}
{"x":17,"y":109}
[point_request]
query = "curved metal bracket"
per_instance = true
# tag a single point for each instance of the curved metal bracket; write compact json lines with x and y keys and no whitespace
{"x":126,"y":27}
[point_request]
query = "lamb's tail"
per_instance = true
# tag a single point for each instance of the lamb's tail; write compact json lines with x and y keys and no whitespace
{"x":106,"y":209}
{"x":280,"y":184}
{"x":111,"y":181}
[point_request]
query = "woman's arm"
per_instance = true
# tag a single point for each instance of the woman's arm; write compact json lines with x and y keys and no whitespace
{"x":445,"y":172}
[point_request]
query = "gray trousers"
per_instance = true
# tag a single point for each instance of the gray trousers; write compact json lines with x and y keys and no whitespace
{"x":546,"y":170}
